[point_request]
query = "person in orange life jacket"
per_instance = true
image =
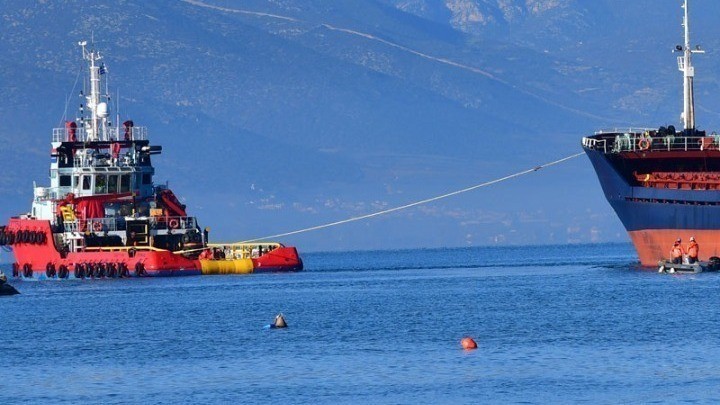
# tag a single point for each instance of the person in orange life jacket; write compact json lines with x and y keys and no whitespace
{"x":693,"y":250}
{"x":676,"y":253}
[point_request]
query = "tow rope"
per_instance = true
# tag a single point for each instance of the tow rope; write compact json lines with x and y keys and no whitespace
{"x":414,"y":204}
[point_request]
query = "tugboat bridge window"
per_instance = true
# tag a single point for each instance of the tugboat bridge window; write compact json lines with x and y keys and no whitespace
{"x":86,"y":182}
{"x":125,"y":183}
{"x":112,"y":184}
{"x":65,"y":181}
{"x":100,"y":184}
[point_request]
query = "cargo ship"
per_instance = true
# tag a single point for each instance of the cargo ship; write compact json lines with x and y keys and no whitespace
{"x":103,"y":215}
{"x":663,"y":182}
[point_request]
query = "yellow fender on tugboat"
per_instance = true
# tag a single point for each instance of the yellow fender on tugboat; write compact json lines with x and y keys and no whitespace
{"x":222,"y":266}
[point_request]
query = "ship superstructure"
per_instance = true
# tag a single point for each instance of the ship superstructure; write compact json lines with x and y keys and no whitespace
{"x":102,"y":191}
{"x":663,"y":183}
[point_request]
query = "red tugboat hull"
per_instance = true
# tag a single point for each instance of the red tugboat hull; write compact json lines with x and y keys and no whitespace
{"x":39,"y":257}
{"x":281,"y":259}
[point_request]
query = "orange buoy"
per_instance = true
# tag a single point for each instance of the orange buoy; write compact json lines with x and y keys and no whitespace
{"x":468,"y":343}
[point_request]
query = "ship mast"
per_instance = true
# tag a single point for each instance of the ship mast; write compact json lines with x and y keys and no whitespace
{"x":97,"y":123}
{"x":685,"y":66}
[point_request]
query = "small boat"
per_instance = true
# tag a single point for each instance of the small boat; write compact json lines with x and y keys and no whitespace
{"x":667,"y":266}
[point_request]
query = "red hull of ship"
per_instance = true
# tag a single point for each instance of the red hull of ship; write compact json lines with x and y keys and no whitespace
{"x":654,"y":244}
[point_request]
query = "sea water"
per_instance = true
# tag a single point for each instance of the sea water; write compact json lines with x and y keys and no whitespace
{"x":553,"y":324}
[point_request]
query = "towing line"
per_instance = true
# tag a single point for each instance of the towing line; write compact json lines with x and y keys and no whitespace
{"x":414,"y":204}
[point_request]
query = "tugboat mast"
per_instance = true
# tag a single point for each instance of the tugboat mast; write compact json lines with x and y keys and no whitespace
{"x":685,"y":66}
{"x":95,"y":129}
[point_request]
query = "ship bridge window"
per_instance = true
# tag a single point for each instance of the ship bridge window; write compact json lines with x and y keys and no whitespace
{"x":86,"y":182}
{"x":125,"y":183}
{"x":100,"y":184}
{"x":112,"y":184}
{"x":76,"y":181}
{"x":65,"y":181}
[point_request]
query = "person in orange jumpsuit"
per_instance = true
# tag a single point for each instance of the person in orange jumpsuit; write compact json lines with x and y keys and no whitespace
{"x":676,"y":253}
{"x":693,"y":250}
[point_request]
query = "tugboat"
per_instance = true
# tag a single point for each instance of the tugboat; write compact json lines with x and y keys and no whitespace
{"x":104,"y":216}
{"x":664,"y":183}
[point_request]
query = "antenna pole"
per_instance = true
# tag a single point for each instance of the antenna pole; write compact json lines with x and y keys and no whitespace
{"x":688,"y":75}
{"x":97,"y":126}
{"x":685,"y":66}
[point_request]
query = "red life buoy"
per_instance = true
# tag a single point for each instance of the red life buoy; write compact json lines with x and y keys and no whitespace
{"x":644,"y":144}
{"x":173,"y":223}
{"x":97,"y":226}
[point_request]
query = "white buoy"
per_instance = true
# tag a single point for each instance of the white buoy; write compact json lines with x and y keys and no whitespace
{"x":280,"y":321}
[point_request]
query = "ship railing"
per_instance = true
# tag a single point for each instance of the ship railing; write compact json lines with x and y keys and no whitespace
{"x":173,"y":222}
{"x":94,"y":225}
{"x":103,"y":161}
{"x":48,"y":193}
{"x":644,"y":142}
{"x":232,"y":251}
{"x":124,"y":248}
{"x":81,"y":134}
{"x":596,"y":144}
{"x":628,"y":130}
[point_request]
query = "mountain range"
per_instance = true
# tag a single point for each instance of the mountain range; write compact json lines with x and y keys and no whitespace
{"x":278,"y":115}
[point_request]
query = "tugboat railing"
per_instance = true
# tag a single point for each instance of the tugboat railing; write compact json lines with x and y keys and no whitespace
{"x":111,"y":224}
{"x":592,"y":143}
{"x":233,"y":251}
{"x":173,"y":223}
{"x":124,"y":248}
{"x":92,"y":225}
{"x":134,"y":133}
